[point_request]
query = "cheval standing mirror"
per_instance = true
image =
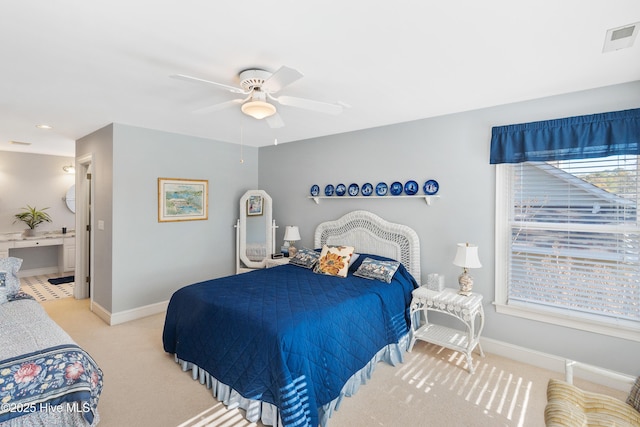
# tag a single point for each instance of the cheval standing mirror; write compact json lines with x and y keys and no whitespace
{"x":255,"y":231}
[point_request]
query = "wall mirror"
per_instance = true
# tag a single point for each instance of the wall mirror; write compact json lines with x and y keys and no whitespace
{"x":255,"y":231}
{"x":70,"y":198}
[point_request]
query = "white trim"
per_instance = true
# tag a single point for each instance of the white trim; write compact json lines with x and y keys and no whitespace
{"x":619,"y":331}
{"x":501,"y":229}
{"x":129,"y":315}
{"x":84,"y":217}
{"x":606,"y":377}
{"x":43,"y":271}
{"x":100,"y":311}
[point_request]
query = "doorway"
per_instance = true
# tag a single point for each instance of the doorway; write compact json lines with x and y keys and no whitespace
{"x":84,"y":233}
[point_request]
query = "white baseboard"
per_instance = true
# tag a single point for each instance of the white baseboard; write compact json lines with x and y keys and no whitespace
{"x":129,"y":315}
{"x":38,"y":272}
{"x":99,"y":311}
{"x":612,"y":379}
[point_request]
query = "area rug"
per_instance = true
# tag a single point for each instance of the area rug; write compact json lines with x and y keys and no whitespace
{"x":40,"y":288}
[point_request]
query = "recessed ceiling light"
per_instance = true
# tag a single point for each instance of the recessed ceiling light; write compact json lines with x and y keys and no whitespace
{"x":44,"y":126}
{"x":19,"y":143}
{"x":621,"y":37}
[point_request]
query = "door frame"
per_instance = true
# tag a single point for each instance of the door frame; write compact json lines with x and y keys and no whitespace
{"x":85,"y":191}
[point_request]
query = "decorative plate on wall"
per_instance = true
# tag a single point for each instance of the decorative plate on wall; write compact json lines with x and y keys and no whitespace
{"x":328,"y":190}
{"x":411,"y":188}
{"x":431,"y":187}
{"x":354,"y":190}
{"x":367,"y":189}
{"x":340,"y":189}
{"x":396,"y":188}
{"x":381,"y":189}
{"x":315,"y":190}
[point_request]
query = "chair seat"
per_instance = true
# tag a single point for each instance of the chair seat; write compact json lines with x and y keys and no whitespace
{"x":567,"y":406}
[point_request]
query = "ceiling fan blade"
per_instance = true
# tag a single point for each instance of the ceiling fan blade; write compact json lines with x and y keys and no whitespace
{"x":275,"y":121}
{"x":284,"y":76}
{"x":309,"y":104}
{"x":218,"y":107}
{"x":199,"y":80}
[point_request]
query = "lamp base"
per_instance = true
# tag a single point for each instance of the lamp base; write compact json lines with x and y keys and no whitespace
{"x":466,"y":284}
{"x":292,"y":251}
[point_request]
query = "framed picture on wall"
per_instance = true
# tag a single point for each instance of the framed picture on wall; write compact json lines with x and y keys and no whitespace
{"x":254,"y":206}
{"x":182,"y":199}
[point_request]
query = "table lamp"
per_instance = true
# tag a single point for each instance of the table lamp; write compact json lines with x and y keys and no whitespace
{"x":291,"y":234}
{"x":466,"y":257}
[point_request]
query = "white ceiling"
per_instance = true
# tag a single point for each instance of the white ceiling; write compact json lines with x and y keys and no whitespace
{"x":79,"y":65}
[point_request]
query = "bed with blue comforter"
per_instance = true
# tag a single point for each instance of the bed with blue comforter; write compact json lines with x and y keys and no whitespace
{"x":287,"y":336}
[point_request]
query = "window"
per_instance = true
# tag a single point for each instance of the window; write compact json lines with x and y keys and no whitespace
{"x":568,"y":243}
{"x":567,"y":234}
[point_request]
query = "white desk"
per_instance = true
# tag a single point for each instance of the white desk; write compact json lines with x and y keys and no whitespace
{"x":66,"y":244}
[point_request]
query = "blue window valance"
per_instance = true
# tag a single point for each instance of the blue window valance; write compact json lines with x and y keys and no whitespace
{"x":580,"y":137}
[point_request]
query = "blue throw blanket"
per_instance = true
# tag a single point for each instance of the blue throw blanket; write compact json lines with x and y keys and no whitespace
{"x":286,"y":335}
{"x":62,"y":378}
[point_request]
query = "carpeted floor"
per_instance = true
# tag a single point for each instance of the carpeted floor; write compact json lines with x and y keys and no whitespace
{"x":40,"y":288}
{"x":144,"y":386}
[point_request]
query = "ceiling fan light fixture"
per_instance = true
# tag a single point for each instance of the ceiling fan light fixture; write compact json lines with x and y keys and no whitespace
{"x":258,"y":109}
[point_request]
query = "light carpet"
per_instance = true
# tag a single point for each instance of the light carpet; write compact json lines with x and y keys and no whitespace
{"x":39,"y":287}
{"x":144,"y":386}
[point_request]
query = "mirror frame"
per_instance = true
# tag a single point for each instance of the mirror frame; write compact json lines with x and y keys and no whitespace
{"x":70,"y":198}
{"x":267,"y":214}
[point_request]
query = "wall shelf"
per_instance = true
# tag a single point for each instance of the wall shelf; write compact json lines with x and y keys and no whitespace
{"x":427,"y":199}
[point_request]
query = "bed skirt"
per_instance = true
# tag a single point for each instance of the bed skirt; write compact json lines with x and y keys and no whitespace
{"x":268,"y":414}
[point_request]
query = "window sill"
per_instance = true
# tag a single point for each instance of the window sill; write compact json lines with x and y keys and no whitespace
{"x":625,"y":330}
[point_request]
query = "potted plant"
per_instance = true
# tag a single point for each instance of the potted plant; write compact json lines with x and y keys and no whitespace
{"x":32,"y":217}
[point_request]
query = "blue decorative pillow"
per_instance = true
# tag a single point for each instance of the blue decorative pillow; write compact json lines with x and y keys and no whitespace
{"x":377,"y":269}
{"x":306,"y":258}
{"x":353,"y":266}
{"x":10,"y":267}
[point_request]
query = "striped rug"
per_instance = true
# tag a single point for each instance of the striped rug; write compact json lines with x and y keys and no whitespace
{"x":39,"y":288}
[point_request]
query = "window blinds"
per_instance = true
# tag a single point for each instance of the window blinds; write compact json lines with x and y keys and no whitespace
{"x":575,"y":240}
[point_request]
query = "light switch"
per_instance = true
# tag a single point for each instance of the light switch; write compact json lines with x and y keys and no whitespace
{"x":100,"y":224}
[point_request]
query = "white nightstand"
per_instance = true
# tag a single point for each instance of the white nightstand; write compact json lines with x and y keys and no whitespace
{"x":277,"y":261}
{"x":448,"y":301}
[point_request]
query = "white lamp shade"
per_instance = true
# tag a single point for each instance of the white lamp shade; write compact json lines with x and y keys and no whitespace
{"x":467,"y":256}
{"x":258,"y":109}
{"x":291,"y":233}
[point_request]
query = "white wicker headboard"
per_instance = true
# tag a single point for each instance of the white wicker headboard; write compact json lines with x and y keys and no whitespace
{"x":368,"y":233}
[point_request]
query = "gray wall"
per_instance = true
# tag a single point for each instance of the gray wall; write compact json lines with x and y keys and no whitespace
{"x":100,"y":144}
{"x":454,"y":150}
{"x":140,"y":261}
{"x":36,"y":180}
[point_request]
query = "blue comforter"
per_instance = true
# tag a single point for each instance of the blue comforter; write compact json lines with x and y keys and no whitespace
{"x":286,"y":335}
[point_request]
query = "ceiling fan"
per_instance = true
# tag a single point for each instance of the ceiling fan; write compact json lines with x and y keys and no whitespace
{"x":258,"y":87}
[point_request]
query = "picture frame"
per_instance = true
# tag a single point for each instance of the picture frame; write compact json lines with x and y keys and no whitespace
{"x":255,"y":205}
{"x":181,"y":199}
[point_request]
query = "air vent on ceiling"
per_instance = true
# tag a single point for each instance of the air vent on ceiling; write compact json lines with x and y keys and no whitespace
{"x":621,"y":37}
{"x":19,"y":143}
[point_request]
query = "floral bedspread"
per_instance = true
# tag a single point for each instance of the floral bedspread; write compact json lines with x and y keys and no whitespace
{"x":58,"y":379}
